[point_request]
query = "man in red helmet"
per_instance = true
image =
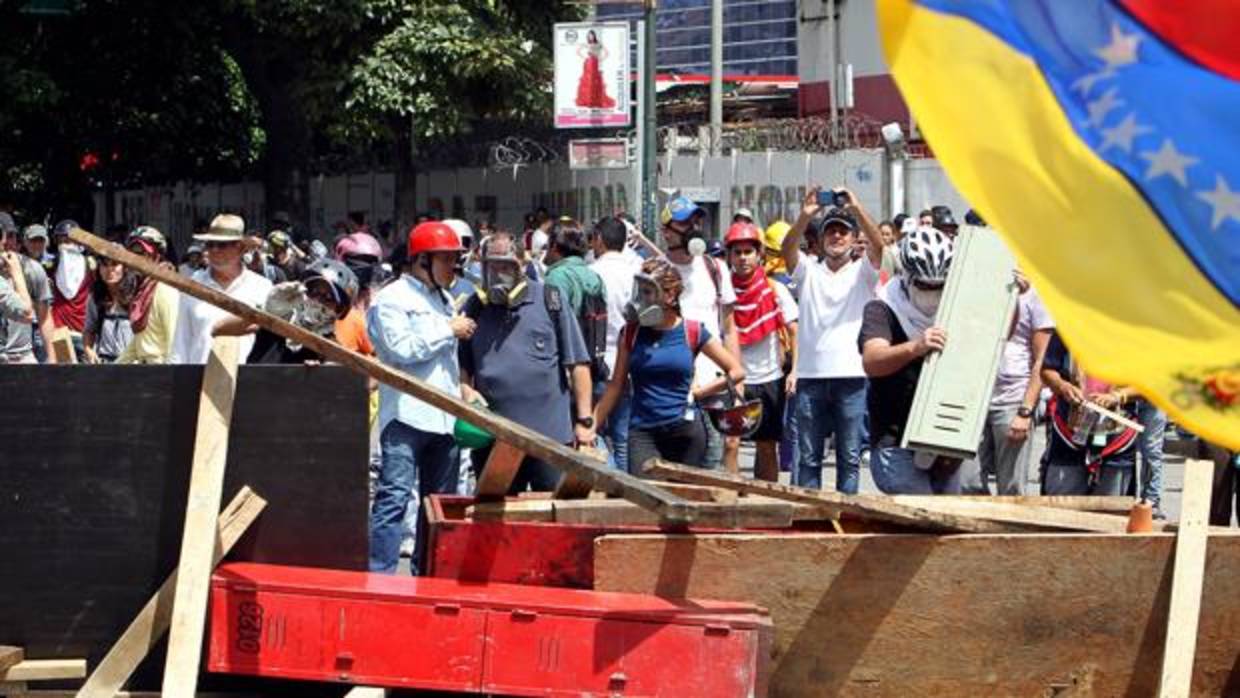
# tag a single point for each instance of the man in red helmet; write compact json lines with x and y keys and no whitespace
{"x":414,"y":327}
{"x":766,"y":323}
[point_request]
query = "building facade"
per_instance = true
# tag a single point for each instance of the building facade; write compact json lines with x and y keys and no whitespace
{"x":759,"y":36}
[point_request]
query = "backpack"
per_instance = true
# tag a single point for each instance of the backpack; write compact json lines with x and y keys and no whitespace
{"x":593,"y":322}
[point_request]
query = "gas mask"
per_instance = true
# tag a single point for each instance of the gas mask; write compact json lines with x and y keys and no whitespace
{"x":502,"y":281}
{"x":645,"y":307}
{"x":313,"y":315}
{"x":925,"y":300}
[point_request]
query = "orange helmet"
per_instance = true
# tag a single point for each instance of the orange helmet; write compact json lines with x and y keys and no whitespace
{"x":432,"y":236}
{"x":743,"y":232}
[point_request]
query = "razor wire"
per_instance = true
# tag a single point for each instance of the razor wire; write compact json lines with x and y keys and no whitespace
{"x":517,"y":151}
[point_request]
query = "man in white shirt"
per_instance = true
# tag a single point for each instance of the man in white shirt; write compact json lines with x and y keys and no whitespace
{"x":708,"y":298}
{"x":196,"y":319}
{"x":832,"y":294}
{"x":616,"y":269}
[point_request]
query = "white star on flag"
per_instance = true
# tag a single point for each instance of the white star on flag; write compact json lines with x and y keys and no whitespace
{"x":1168,"y":161}
{"x":1099,"y":108}
{"x":1122,"y":134}
{"x":1224,"y":201}
{"x":1085,"y":83}
{"x":1121,"y":51}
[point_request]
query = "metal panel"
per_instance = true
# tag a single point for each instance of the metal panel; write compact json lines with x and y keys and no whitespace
{"x":953,"y":393}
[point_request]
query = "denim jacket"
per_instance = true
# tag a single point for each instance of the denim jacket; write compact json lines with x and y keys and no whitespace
{"x":409,"y":325}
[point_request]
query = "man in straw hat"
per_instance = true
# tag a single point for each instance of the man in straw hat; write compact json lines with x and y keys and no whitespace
{"x":224,"y":271}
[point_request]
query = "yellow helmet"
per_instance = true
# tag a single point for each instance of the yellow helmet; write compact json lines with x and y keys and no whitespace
{"x":773,"y":238}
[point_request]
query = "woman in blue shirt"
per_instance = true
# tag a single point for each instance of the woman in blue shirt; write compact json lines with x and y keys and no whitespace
{"x":656,"y":352}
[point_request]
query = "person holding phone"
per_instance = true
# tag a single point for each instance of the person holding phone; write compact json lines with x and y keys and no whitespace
{"x":832,"y":294}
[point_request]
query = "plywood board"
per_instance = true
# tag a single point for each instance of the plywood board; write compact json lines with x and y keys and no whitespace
{"x":1186,"y":581}
{"x":93,"y":513}
{"x":994,"y":615}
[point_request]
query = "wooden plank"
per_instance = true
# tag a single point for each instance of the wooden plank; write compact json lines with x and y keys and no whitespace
{"x":572,"y":487}
{"x":1026,"y":516}
{"x":1097,"y":504}
{"x":13,"y":689}
{"x":699,"y":493}
{"x":614,"y":482}
{"x":850,"y":610}
{"x":62,"y":346}
{"x":10,"y":656}
{"x":500,"y":470}
{"x":868,"y":506}
{"x":152,"y":621}
{"x":1187,"y":581}
{"x":198,"y":542}
{"x":539,"y":510}
{"x":45,"y":670}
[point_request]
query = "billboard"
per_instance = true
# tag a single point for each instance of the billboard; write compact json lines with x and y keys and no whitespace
{"x":591,"y":74}
{"x":598,"y":154}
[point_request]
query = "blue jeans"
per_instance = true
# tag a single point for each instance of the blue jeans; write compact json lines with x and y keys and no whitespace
{"x":1151,"y":445}
{"x":895,"y":472}
{"x":615,"y":431}
{"x":826,"y":406}
{"x":409,"y":456}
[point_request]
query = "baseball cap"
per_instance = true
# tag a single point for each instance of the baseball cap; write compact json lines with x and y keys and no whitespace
{"x":7,"y":225}
{"x":837,"y":216}
{"x":35,"y":231}
{"x":679,"y":209}
{"x":942,"y":217}
{"x":744,"y":212}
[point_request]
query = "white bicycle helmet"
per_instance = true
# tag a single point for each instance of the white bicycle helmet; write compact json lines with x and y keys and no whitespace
{"x":926,"y":255}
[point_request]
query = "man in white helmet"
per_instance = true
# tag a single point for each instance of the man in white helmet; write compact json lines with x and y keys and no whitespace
{"x":897,"y":332}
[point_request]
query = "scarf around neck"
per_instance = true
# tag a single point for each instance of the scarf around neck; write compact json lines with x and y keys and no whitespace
{"x":757,"y":310}
{"x":912,"y":320}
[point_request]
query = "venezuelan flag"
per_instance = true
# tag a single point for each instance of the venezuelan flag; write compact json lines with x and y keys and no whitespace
{"x":1102,"y":138}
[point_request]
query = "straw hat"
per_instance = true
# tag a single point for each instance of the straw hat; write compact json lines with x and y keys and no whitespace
{"x":225,"y":227}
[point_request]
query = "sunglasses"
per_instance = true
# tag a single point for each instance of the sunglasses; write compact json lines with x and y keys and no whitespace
{"x":927,"y":285}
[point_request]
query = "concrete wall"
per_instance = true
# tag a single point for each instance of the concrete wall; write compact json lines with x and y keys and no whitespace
{"x":772,"y":184}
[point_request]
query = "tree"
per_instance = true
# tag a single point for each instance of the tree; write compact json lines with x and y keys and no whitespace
{"x":443,"y":67}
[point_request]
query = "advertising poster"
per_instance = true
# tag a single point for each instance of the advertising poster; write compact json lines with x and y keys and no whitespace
{"x":591,"y":74}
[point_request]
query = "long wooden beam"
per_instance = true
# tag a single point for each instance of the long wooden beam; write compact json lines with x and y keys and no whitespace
{"x":969,"y":514}
{"x":671,"y":508}
{"x":867,"y":506}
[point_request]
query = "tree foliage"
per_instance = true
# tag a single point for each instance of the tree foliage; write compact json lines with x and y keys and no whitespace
{"x":154,"y":91}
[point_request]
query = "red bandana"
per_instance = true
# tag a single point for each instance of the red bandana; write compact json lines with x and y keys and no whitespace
{"x":757,"y":310}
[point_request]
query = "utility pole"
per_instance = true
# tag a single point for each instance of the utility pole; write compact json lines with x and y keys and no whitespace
{"x":650,"y":150}
{"x":716,"y":76}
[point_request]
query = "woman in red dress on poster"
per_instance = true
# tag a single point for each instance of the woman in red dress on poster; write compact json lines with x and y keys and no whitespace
{"x":591,"y":92}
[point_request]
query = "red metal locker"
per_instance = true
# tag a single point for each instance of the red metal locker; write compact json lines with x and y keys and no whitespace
{"x":382,"y":630}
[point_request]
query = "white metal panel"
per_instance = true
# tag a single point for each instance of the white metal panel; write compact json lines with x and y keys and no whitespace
{"x":953,"y":393}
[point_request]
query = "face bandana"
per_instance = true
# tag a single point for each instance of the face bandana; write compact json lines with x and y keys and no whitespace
{"x":71,"y":270}
{"x":645,"y":307}
{"x":925,"y":300}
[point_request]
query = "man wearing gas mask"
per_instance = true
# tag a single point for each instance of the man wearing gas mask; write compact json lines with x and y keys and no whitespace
{"x":519,"y":361}
{"x":415,"y":328}
{"x":708,"y":297}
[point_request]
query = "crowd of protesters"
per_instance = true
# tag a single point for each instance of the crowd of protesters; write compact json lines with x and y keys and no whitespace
{"x":659,"y":344}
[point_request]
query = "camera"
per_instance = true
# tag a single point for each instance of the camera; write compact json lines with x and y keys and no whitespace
{"x":835,"y":197}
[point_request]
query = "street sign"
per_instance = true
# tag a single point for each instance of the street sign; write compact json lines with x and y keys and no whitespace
{"x":591,"y":74}
{"x":598,"y":154}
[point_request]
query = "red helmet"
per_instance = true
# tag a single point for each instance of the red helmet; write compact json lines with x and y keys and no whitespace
{"x":743,"y":232}
{"x":432,"y":236}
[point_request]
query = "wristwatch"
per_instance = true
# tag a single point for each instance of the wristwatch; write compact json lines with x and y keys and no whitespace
{"x":1025,"y":412}
{"x":587,"y":422}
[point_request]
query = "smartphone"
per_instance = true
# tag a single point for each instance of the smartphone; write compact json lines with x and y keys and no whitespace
{"x":826,"y":198}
